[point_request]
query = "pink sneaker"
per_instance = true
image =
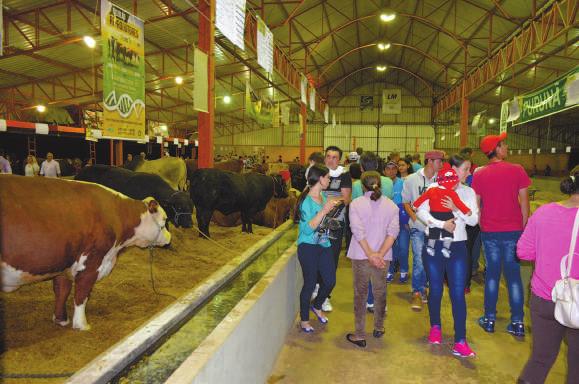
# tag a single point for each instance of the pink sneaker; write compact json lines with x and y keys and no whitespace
{"x":435,"y":336}
{"x":461,"y":349}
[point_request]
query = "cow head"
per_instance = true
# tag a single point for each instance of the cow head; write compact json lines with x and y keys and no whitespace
{"x":182,"y":207}
{"x":279,"y":187}
{"x":151,"y":230}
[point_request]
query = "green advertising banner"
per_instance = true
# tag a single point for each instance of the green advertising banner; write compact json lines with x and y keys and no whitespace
{"x":259,"y":109}
{"x":555,"y":97}
{"x":123,"y":73}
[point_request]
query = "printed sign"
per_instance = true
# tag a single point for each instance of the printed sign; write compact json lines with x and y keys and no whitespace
{"x":230,"y":20}
{"x":391,"y":102}
{"x":123,"y":73}
{"x":264,"y":46}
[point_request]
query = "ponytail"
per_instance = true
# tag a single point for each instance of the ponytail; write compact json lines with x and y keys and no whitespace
{"x":315,"y":172}
{"x":298,"y":209}
{"x":371,"y":182}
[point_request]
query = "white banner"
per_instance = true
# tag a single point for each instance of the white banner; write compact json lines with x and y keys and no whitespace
{"x":391,"y":102}
{"x":230,"y":20}
{"x":175,"y":141}
{"x":264,"y":46}
{"x":201,"y":85}
{"x":504,"y":116}
{"x":285,"y":113}
{"x":327,"y":114}
{"x":3,"y":126}
{"x":41,"y":129}
{"x":304,"y":89}
{"x":159,"y":139}
{"x":333,"y":120}
{"x":313,"y":99}
{"x":186,"y":142}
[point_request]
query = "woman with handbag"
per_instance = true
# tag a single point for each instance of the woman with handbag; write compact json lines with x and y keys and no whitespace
{"x":549,"y":236}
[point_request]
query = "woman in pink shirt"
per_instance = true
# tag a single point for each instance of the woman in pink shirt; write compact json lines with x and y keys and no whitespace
{"x":375,"y":225}
{"x":546,"y":241}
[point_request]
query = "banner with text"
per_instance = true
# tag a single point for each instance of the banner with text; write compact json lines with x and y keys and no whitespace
{"x":264,"y":46}
{"x":555,"y":97}
{"x":304,"y":89}
{"x":201,"y":86}
{"x":123,"y":73}
{"x":230,"y":20}
{"x":391,"y":101}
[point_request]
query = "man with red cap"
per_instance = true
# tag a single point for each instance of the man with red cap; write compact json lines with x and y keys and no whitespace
{"x":502,"y":193}
{"x":414,"y":186}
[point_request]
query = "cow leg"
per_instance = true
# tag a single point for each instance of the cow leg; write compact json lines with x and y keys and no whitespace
{"x":246,"y":222}
{"x":84,"y":283}
{"x":61,"y":285}
{"x":203,"y":219}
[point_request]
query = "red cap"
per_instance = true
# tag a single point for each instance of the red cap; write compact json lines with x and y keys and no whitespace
{"x":489,"y":143}
{"x":434,"y":155}
{"x":285,"y":175}
{"x":447,"y":177}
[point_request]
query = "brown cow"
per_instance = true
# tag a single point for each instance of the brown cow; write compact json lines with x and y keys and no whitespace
{"x":40,"y":240}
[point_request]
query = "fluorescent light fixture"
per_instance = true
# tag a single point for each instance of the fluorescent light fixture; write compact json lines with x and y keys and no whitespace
{"x":384,"y":46}
{"x":226,"y":99}
{"x":41,"y":108}
{"x":89,"y":41}
{"x":179,"y":80}
{"x":381,"y":68}
{"x":387,"y":15}
{"x":492,"y":120}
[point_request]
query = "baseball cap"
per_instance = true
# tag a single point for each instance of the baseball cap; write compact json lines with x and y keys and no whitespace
{"x":391,"y":164}
{"x":353,"y":156}
{"x":489,"y":143}
{"x":434,"y":155}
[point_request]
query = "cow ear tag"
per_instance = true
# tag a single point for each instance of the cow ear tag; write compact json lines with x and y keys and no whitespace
{"x":153,"y":206}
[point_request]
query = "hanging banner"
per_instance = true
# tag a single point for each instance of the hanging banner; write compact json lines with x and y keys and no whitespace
{"x":333,"y":120}
{"x":304,"y":89}
{"x":313,"y":99}
{"x":555,"y":97}
{"x":504,"y":116}
{"x":285,"y":113}
{"x":264,"y":46}
{"x":326,"y":114}
{"x":301,"y":118}
{"x":1,"y":29}
{"x":230,"y":20}
{"x":258,"y":108}
{"x":391,"y":102}
{"x":366,"y":102}
{"x":201,"y":85}
{"x":123,"y":73}
{"x":276,"y":116}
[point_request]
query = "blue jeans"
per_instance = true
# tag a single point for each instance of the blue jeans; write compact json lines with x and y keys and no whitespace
{"x":500,"y":252}
{"x":400,"y":250}
{"x":314,"y":260}
{"x":418,"y":273}
{"x":456,"y":269}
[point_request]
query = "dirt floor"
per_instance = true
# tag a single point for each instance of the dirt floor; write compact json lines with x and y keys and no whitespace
{"x":33,"y":344}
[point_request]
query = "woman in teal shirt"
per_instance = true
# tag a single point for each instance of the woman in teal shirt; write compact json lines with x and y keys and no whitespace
{"x":314,"y":251}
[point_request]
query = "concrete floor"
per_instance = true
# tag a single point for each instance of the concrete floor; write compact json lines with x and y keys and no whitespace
{"x":403,"y":355}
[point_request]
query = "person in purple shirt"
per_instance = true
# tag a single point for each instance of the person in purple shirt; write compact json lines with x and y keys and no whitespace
{"x":374,"y":225}
{"x":546,"y":241}
{"x":4,"y":163}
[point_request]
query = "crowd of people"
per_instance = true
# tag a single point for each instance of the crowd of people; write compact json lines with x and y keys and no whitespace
{"x":444,"y":210}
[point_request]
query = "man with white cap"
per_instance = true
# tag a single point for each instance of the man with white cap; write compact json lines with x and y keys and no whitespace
{"x":502,"y":193}
{"x":414,"y":186}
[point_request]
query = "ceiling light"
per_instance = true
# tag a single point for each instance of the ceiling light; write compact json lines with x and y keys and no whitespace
{"x":492,"y":120}
{"x":40,"y":108}
{"x":384,"y":46}
{"x":387,"y":15}
{"x":226,"y":99}
{"x":179,"y":80}
{"x":163,"y":127}
{"x":89,"y":41}
{"x":381,"y":68}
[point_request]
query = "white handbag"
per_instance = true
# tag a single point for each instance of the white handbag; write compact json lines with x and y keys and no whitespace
{"x":565,"y":293}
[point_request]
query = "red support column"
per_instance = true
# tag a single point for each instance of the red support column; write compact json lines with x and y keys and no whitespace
{"x":112,"y":152}
{"x":205,"y":121}
{"x":303,"y":132}
{"x":464,"y":122}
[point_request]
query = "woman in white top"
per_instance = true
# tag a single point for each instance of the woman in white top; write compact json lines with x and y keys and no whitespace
{"x":455,"y":267}
{"x":31,"y":168}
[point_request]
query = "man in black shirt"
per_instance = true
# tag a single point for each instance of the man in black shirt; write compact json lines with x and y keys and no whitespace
{"x":340,"y":187}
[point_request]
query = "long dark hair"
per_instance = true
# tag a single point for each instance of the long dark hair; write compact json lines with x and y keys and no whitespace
{"x":457,"y":160}
{"x":371,"y":182}
{"x":409,"y":164}
{"x":570,"y":184}
{"x":316,"y":172}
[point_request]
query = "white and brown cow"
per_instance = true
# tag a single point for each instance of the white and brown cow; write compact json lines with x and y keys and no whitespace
{"x":66,"y":230}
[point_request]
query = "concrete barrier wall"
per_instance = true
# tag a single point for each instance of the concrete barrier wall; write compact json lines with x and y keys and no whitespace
{"x":243,"y":348}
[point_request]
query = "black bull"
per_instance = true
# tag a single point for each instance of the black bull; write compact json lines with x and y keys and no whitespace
{"x":228,"y":192}
{"x":140,"y":185}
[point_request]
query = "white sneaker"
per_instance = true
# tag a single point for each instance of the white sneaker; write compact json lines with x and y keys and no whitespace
{"x":327,"y":306}
{"x":315,"y":292}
